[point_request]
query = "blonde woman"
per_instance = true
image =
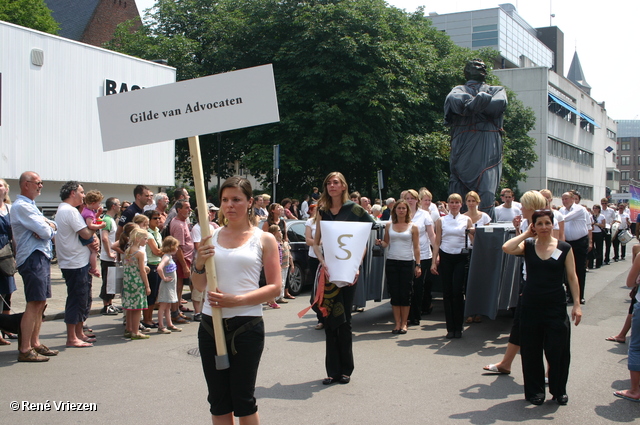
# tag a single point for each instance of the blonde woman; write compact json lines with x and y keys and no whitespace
{"x":558,"y":219}
{"x":422,"y":220}
{"x":478,"y":218}
{"x":449,"y":261}
{"x":334,"y":206}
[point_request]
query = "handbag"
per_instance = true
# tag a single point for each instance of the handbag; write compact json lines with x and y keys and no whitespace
{"x":7,"y":261}
{"x":624,"y":236}
{"x":115,"y":279}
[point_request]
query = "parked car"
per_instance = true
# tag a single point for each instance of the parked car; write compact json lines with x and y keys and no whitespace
{"x":301,"y":275}
{"x":372,"y":271}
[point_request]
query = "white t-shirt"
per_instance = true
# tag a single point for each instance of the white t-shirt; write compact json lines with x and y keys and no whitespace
{"x":557,"y":219}
{"x":507,"y":214}
{"x":311,"y":223}
{"x":422,"y":219}
{"x":601,"y":220}
{"x":622,"y":218}
{"x":482,"y":221}
{"x":71,"y":253}
{"x":453,"y":233}
{"x":196,"y":233}
{"x":609,"y":215}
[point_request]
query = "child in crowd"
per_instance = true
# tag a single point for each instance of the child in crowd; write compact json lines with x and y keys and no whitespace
{"x":123,"y":241}
{"x":91,"y":210}
{"x":286,"y":266}
{"x":275,"y":230}
{"x":167,"y":293}
{"x":135,"y":284}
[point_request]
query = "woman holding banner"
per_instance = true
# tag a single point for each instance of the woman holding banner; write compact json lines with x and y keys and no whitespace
{"x":450,"y":256}
{"x":335,"y":206}
{"x":401,"y":236}
{"x":241,"y":251}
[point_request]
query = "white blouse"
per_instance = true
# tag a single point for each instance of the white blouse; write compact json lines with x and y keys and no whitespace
{"x":453,"y":233}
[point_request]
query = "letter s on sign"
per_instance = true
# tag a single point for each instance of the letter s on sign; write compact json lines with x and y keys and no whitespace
{"x":341,"y":244}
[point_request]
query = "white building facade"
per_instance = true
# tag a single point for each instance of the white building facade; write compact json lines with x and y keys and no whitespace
{"x":49,"y":116}
{"x":574,"y":136}
{"x":575,"y":139}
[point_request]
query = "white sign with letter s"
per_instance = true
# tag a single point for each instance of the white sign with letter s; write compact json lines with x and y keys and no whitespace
{"x":344,"y":243}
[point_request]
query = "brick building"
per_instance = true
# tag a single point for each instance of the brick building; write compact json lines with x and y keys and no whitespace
{"x":628,"y":153}
{"x":92,"y":21}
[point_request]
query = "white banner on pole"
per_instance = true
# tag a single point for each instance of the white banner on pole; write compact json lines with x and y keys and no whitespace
{"x":212,"y":104}
{"x":344,"y":243}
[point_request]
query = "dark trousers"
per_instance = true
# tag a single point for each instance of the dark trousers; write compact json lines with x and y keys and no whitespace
{"x":104,"y":269}
{"x":399,"y":281}
{"x":429,"y":280}
{"x":452,"y":270}
{"x":607,"y":245}
{"x":545,"y":329}
{"x":580,"y":250}
{"x":595,"y":256}
{"x":78,"y":303}
{"x":232,"y":389}
{"x":417,"y":297}
{"x":314,"y":263}
{"x":339,"y":346}
{"x":616,"y":248}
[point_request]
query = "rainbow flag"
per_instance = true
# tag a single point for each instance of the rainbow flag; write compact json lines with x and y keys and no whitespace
{"x":634,"y":202}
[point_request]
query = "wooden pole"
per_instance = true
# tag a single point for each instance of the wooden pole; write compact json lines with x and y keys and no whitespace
{"x":222,"y":358}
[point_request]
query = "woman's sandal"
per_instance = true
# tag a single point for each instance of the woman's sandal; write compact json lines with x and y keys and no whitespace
{"x":495,"y":369}
{"x":614,"y":339}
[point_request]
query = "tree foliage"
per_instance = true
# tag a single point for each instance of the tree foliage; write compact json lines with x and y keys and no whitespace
{"x":519,"y":155}
{"x":29,"y":13}
{"x":361,"y":86}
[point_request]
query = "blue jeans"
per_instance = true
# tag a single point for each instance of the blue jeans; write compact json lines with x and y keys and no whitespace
{"x":634,"y":343}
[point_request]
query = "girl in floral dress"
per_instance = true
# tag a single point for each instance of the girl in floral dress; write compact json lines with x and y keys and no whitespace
{"x":135,"y":284}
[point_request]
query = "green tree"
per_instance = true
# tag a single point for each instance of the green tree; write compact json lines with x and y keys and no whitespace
{"x":361,"y":86}
{"x":29,"y":13}
{"x":519,"y":154}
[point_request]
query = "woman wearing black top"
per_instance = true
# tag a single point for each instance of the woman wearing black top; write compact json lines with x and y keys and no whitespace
{"x":544,"y":324}
{"x":334,"y":206}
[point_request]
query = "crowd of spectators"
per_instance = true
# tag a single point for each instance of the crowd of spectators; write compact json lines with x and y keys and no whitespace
{"x":156,"y":240}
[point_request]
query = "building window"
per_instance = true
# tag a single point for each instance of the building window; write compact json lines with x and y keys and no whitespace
{"x":624,"y":189}
{"x":625,"y":146}
{"x":624,"y":175}
{"x":562,"y":108}
{"x":624,"y":159}
{"x":611,"y":135}
{"x":561,"y":187}
{"x":639,"y":176}
{"x":569,"y":152}
{"x":638,"y":159}
{"x":587,"y":126}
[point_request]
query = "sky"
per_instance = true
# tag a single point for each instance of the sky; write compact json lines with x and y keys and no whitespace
{"x":601,"y":33}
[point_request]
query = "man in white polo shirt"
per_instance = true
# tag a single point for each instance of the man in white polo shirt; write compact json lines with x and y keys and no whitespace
{"x":577,"y":232}
{"x":507,"y":211}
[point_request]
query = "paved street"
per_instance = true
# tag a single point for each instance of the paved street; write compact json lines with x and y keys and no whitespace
{"x":417,"y":378}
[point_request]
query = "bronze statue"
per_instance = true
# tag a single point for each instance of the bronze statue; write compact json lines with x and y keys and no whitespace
{"x":474,"y":112}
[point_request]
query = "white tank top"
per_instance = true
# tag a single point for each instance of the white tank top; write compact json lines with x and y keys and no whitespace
{"x":238,"y":272}
{"x":400,"y":245}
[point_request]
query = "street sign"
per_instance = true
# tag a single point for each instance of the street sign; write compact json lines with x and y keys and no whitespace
{"x":620,"y":196}
{"x":212,"y":104}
